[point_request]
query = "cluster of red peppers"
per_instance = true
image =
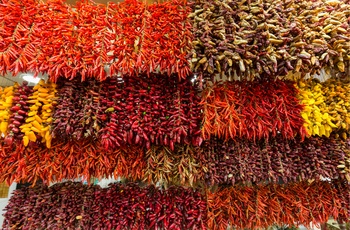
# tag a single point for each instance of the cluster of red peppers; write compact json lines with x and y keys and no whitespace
{"x":129,"y":37}
{"x":119,"y":112}
{"x":252,"y":110}
{"x":76,"y":206}
{"x":19,"y":113}
{"x":72,"y":205}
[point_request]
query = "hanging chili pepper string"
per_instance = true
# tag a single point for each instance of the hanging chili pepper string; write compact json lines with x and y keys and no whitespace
{"x":300,"y":203}
{"x":229,"y":114}
{"x":24,"y":15}
{"x":58,"y":41}
{"x":25,"y":42}
{"x":81,"y":42}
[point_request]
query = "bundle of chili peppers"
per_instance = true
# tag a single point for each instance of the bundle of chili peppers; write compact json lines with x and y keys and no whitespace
{"x":327,"y":106}
{"x":254,"y":38}
{"x":181,"y":166}
{"x":244,"y":162}
{"x":69,"y":160}
{"x":142,"y":111}
{"x":76,"y":206}
{"x":75,"y":116}
{"x":19,"y":112}
{"x":252,"y":110}
{"x":295,"y":204}
{"x":129,"y":37}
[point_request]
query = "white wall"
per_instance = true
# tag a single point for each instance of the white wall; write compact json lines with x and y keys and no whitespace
{"x":4,"y":201}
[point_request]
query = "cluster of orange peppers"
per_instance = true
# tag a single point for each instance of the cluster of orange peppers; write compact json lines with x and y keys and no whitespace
{"x":293,"y":204}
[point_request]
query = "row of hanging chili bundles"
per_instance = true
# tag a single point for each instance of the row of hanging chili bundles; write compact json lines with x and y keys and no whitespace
{"x":160,"y":111}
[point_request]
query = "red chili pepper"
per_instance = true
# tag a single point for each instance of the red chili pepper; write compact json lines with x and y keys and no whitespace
{"x":15,"y":108}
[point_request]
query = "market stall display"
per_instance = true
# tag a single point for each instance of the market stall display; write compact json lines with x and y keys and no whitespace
{"x":208,"y":111}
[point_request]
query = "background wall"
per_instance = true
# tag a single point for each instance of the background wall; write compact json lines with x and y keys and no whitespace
{"x":3,"y":202}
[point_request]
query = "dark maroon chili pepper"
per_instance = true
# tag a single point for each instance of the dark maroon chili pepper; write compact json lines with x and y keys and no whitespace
{"x":9,"y":139}
{"x":23,"y":103}
{"x":15,"y":130}
{"x":19,"y":117}
{"x":21,"y":112}
{"x":24,"y":97}
{"x":16,"y":99}
{"x":19,"y":109}
{"x":16,"y":123}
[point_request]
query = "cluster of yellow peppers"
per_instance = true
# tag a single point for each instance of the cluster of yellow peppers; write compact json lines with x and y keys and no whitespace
{"x":39,"y":117}
{"x":38,"y":121}
{"x":326,"y":106}
{"x":6,"y":95}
